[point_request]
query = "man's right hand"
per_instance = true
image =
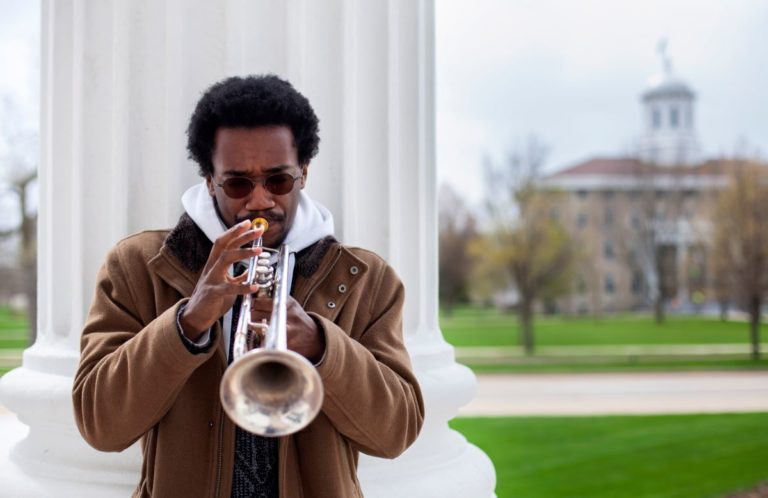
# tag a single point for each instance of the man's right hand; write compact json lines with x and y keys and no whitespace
{"x":216,"y":290}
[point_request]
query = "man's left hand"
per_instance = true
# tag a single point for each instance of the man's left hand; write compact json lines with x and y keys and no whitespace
{"x":304,"y":335}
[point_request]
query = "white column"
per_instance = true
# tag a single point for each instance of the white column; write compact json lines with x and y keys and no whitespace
{"x":389,"y":205}
{"x":120,"y":79}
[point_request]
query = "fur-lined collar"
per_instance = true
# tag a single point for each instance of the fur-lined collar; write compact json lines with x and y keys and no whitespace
{"x":191,"y":247}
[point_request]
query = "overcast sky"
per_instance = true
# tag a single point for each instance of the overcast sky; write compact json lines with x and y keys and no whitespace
{"x":20,"y":56}
{"x":568,"y":72}
{"x":571,"y":73}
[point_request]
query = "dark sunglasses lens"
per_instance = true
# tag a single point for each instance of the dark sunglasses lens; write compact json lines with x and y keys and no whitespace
{"x":237,"y":188}
{"x":279,"y":184}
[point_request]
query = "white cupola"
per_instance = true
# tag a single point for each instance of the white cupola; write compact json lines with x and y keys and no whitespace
{"x":669,"y":137}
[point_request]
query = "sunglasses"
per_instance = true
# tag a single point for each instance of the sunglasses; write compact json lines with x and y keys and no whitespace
{"x":241,"y":186}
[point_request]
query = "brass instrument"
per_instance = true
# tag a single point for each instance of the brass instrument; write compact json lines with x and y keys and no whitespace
{"x":268,"y":389}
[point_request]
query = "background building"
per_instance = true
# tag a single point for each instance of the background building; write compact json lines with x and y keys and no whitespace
{"x":642,"y":220}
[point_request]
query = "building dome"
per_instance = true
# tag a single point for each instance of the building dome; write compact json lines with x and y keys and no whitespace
{"x":668,"y":114}
{"x":667,"y":86}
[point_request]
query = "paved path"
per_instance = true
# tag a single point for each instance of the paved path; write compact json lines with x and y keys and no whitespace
{"x":495,"y":354}
{"x":609,"y":393}
{"x":619,"y":393}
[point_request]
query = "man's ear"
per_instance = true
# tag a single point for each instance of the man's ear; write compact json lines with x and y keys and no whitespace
{"x":209,"y":182}
{"x":304,"y":174}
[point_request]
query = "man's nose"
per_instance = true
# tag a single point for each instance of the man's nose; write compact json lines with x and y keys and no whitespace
{"x":259,"y":199}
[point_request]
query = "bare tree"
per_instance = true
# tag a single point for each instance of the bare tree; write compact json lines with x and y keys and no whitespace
{"x":741,"y":240}
{"x":18,"y":167}
{"x":527,"y":242}
{"x":653,"y":238}
{"x":457,"y":229}
{"x":721,"y":282}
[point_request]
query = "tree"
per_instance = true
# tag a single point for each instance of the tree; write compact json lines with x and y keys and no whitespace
{"x":657,"y":209}
{"x":527,"y":242}
{"x":18,"y":153}
{"x":457,"y":228}
{"x":741,"y":240}
{"x":722,"y":284}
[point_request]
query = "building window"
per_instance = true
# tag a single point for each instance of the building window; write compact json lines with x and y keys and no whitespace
{"x":608,"y":251}
{"x":632,"y":255}
{"x":610,"y":285}
{"x":656,"y":119}
{"x":608,"y":217}
{"x":581,"y":220}
{"x":674,"y":117}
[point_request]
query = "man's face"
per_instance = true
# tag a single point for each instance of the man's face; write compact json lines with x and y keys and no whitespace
{"x":257,"y":153}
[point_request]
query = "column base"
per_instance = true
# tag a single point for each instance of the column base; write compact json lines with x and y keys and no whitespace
{"x":453,"y":469}
{"x":441,"y":462}
{"x":43,"y":454}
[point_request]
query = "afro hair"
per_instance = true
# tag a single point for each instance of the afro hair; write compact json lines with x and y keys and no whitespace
{"x":250,"y":102}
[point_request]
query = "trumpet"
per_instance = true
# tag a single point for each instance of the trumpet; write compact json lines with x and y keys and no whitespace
{"x":268,"y":389}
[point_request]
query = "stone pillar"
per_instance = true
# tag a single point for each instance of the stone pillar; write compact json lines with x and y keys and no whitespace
{"x":120,"y":79}
{"x":389,"y":205}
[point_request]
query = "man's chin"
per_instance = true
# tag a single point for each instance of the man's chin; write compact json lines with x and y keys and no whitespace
{"x":273,"y":240}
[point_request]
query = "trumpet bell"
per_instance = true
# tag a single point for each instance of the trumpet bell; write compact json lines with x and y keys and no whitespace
{"x":271,"y":392}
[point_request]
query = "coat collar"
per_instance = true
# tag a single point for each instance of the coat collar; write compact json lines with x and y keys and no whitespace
{"x":182,"y":257}
{"x":186,"y":248}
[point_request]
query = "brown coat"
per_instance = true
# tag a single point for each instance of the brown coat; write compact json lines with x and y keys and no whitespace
{"x":137,"y":380}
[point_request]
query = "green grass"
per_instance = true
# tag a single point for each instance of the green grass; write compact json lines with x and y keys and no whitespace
{"x":10,"y":320}
{"x":13,"y":339}
{"x":12,"y":323}
{"x":487,"y":341}
{"x":488,"y":327}
{"x":676,"y":456}
{"x":12,"y":342}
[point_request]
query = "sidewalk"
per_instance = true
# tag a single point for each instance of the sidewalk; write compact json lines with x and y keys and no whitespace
{"x":605,"y":394}
{"x":482,"y":353}
{"x":619,"y":393}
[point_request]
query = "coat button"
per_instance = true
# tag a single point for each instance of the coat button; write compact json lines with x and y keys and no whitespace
{"x":342,"y":288}
{"x":354,"y":270}
{"x":331,"y":304}
{"x":210,"y":424}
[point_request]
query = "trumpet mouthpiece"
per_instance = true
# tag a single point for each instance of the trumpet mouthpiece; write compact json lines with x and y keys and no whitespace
{"x":260,"y":223}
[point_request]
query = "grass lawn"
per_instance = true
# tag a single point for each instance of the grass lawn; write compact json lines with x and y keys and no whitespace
{"x":13,"y":339}
{"x":13,"y":330}
{"x":675,"y":456}
{"x":488,"y":327}
{"x":487,"y":342}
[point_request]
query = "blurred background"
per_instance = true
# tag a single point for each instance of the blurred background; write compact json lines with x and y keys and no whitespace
{"x":603,"y":230}
{"x":603,"y":221}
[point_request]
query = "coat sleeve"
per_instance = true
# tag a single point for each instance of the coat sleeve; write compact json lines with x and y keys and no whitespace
{"x":130,"y":372}
{"x":371,"y":394}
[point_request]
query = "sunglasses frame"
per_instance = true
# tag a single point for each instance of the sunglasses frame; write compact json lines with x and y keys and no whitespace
{"x":262,"y":182}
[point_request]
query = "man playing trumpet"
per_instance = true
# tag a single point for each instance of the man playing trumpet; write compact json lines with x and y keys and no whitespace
{"x":159,"y":333}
